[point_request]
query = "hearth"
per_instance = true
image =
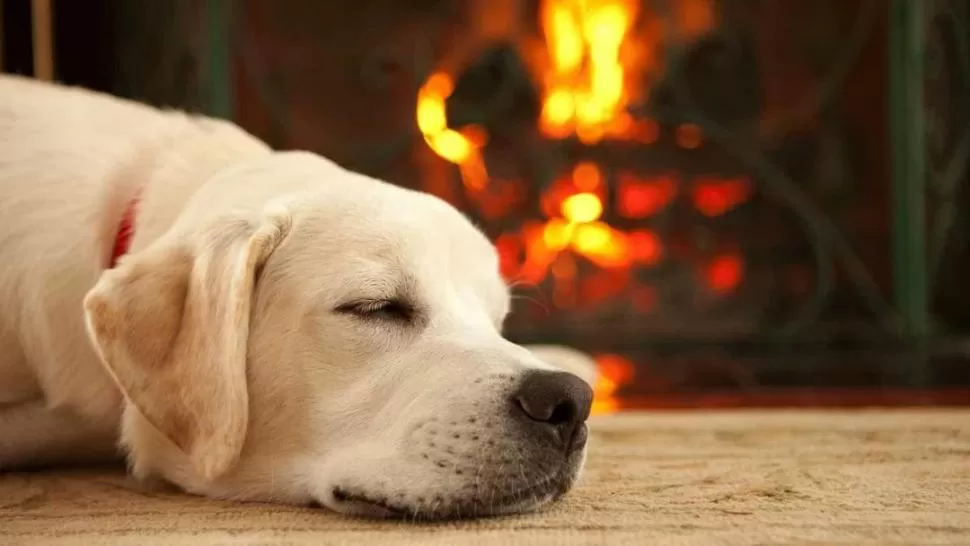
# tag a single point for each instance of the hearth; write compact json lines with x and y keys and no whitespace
{"x":726,"y":196}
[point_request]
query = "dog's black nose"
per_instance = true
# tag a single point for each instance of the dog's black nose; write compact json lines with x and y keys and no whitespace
{"x":558,"y":400}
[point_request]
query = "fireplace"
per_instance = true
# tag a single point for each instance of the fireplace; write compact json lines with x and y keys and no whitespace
{"x":718,"y":198}
{"x":586,"y":180}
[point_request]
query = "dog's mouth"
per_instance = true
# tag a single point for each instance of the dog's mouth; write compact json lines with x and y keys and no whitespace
{"x":484,"y":504}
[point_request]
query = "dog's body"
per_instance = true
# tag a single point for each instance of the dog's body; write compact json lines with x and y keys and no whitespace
{"x":71,"y":161}
{"x":279,"y":329}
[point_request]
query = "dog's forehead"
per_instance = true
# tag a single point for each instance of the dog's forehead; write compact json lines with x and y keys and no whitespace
{"x":349,"y":234}
{"x":383,"y":220}
{"x":340,"y":209}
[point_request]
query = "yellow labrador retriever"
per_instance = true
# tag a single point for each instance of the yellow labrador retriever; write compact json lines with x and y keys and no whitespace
{"x":251,"y":324}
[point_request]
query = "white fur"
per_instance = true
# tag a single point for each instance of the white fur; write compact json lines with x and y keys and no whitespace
{"x":225,"y":361}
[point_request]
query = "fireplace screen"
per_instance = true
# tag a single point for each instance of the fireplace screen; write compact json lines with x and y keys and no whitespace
{"x":725,"y":196}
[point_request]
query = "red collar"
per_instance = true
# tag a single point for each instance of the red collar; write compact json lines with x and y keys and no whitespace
{"x":126,"y":230}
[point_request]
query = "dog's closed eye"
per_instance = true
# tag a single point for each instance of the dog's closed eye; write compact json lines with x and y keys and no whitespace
{"x":390,"y":310}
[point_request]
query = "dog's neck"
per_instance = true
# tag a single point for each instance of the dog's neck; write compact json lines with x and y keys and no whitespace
{"x":152,"y":188}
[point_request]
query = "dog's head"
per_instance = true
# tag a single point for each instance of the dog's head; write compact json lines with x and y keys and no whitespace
{"x":339,"y":346}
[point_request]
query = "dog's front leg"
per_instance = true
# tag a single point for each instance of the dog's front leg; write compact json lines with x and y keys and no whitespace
{"x":32,"y":434}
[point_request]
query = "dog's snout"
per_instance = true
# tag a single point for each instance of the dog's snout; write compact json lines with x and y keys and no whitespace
{"x":558,"y":400}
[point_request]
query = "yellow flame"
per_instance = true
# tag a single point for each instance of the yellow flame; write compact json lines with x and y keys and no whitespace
{"x":582,"y":207}
{"x":451,"y":145}
{"x":595,"y":59}
{"x":604,"y":400}
{"x":592,"y":238}
{"x":557,"y":234}
{"x":586,"y":89}
{"x":562,"y":35}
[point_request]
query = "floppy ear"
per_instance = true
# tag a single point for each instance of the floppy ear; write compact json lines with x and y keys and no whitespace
{"x":171,"y":325}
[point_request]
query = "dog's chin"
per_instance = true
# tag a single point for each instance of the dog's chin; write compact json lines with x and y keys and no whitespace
{"x":526,"y":499}
{"x":485,"y":501}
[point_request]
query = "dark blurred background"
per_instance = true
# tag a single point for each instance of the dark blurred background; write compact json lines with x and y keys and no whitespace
{"x":726,"y":201}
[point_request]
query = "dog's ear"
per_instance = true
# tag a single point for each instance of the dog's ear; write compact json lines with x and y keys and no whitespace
{"x":171,"y":324}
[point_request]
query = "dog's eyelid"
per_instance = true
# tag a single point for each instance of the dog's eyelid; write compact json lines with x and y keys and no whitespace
{"x":379,"y":308}
{"x":358,"y":304}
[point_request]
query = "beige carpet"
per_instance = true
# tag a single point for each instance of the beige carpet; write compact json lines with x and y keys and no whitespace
{"x":874,"y":477}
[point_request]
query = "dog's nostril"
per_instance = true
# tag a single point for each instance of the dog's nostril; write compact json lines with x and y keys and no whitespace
{"x":554,"y":414}
{"x":559,"y":400}
{"x":564,"y":412}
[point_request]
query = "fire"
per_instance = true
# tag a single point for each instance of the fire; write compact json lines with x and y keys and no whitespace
{"x":614,"y":371}
{"x":714,"y":197}
{"x":587,"y":176}
{"x":640,"y":198}
{"x":460,"y":147}
{"x":576,"y":225}
{"x":593,"y":68}
{"x":587,"y":88}
{"x":689,"y":136}
{"x":725,"y":272}
{"x":582,"y":208}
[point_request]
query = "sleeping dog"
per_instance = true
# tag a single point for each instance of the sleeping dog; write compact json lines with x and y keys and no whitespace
{"x":260,"y":325}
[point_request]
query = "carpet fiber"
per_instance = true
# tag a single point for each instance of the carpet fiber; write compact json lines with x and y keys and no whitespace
{"x":866,"y":477}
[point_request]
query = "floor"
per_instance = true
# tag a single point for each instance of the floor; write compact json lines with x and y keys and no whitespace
{"x":716,"y":477}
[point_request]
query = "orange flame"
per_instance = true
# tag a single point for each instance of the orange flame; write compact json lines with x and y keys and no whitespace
{"x":462,"y":148}
{"x":577,"y":225}
{"x":614,"y":372}
{"x":586,"y":89}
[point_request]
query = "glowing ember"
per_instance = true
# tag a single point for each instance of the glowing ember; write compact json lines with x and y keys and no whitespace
{"x":645,"y":246}
{"x":689,"y":136}
{"x":646,"y":131}
{"x":725,"y":273}
{"x":714,"y":197}
{"x":641,"y":198}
